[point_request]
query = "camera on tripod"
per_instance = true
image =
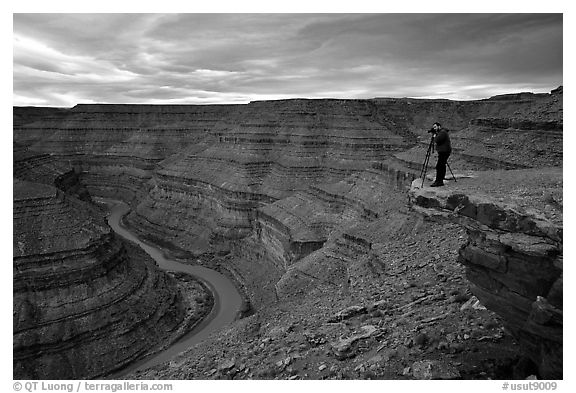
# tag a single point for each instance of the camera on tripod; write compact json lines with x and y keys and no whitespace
{"x":434,"y":131}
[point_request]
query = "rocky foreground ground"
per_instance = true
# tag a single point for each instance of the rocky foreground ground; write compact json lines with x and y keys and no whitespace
{"x":408,"y":313}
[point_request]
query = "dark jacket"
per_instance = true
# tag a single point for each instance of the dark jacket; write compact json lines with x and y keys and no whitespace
{"x":442,"y":141}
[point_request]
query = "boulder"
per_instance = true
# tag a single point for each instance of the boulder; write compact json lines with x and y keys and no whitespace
{"x":433,"y":369}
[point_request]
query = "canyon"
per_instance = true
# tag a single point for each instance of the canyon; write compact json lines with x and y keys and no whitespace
{"x":86,"y":303}
{"x":311,"y":207}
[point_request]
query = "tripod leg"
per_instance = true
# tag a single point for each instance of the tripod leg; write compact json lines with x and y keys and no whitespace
{"x":425,"y":168}
{"x":454,"y":177}
{"x":423,"y":164}
{"x":426,"y":160}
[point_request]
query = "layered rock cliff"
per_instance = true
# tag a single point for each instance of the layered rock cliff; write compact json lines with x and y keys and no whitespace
{"x":513,"y":255}
{"x":265,"y":153}
{"x":117,"y":146}
{"x":287,"y":195}
{"x":204,"y":169}
{"x":85,"y":303}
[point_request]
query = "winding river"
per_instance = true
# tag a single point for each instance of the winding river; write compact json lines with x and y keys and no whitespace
{"x":227,"y":299}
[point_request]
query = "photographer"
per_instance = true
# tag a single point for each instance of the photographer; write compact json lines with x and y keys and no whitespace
{"x":443,"y":147}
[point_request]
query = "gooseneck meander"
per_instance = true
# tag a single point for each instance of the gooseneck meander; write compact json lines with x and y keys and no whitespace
{"x":227,"y":299}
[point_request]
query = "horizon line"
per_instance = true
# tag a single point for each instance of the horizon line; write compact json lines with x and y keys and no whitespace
{"x":292,"y":99}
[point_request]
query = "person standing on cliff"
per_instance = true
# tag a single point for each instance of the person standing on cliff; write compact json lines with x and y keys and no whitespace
{"x":444,"y":148}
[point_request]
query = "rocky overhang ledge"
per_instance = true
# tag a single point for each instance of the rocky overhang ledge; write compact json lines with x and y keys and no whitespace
{"x":513,"y":256}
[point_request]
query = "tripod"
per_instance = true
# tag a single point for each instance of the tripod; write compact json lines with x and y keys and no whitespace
{"x":427,"y":160}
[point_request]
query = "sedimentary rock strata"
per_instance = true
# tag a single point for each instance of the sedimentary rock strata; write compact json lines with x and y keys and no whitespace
{"x":293,"y":227}
{"x":513,"y":256}
{"x":217,"y":164}
{"x":118,"y":145}
{"x":264,"y":153}
{"x":85,"y":303}
{"x":35,"y":166}
{"x":287,"y":195}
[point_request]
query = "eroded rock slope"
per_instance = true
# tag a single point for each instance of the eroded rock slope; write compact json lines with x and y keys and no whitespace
{"x":85,"y":303}
{"x":300,"y":198}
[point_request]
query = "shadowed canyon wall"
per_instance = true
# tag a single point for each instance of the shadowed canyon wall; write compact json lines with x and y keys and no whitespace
{"x":85,"y":303}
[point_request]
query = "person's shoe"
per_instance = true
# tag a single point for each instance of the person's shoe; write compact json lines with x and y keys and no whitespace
{"x":435,"y":184}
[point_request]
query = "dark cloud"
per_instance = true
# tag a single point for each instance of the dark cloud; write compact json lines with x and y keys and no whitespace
{"x":62,"y":59}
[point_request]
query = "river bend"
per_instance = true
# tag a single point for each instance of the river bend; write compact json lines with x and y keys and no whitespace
{"x":227,"y":299}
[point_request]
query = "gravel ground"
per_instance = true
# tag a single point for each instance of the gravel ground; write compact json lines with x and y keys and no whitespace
{"x":408,"y":310}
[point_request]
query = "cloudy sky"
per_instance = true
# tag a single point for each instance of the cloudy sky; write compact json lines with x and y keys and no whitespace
{"x":65,"y":59}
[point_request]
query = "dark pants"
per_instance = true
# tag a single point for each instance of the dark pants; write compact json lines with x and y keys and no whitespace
{"x":441,"y":167}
